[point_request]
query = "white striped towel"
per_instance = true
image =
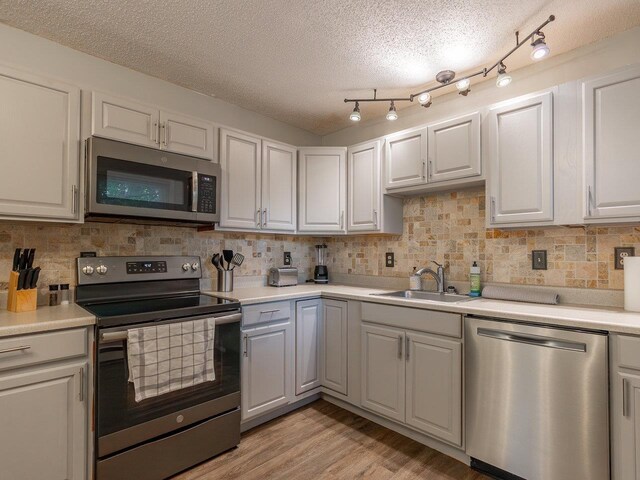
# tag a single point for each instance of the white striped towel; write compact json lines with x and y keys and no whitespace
{"x":165,"y":358}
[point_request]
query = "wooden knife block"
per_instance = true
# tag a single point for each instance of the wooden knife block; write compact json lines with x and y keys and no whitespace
{"x":20,"y":300}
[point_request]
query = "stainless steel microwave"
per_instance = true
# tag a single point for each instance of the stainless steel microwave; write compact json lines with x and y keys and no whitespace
{"x":129,"y":181}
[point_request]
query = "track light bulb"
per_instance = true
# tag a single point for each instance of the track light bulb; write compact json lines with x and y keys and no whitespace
{"x":392,"y":114}
{"x":504,"y":78}
{"x":463,"y":84}
{"x":540,"y":49}
{"x":424,"y":98}
{"x":355,"y":115}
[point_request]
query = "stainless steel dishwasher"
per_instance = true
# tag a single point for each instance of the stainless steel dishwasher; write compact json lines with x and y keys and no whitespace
{"x":536,"y":401}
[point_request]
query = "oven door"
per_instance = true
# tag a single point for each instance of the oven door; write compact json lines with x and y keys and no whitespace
{"x":131,"y":181}
{"x":122,"y":422}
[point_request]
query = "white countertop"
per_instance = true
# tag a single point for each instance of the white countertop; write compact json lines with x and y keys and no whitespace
{"x":576,"y":316}
{"x":44,"y":319}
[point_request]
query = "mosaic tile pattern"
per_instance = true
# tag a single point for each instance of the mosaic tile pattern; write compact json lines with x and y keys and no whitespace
{"x":450,"y":228}
{"x":58,"y":245}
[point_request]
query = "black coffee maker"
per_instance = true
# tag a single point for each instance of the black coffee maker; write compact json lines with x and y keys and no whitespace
{"x":321,"y":272}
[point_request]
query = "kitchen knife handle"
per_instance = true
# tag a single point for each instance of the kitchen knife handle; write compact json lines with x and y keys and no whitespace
{"x":32,"y":255}
{"x":28,"y":278}
{"x":16,"y":259}
{"x":21,"y":278}
{"x":34,"y":279}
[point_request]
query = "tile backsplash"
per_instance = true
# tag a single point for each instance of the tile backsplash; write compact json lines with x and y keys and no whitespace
{"x":450,"y":227}
{"x":446,"y":227}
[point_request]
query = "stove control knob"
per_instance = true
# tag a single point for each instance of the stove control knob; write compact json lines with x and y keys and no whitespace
{"x":87,"y":270}
{"x":101,"y":269}
{"x":195,"y":266}
{"x":186,"y":267}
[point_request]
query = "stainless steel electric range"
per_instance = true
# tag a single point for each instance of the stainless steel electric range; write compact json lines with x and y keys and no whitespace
{"x":160,"y":436}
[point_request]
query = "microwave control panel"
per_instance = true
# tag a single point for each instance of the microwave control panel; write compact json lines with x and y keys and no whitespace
{"x":206,"y":193}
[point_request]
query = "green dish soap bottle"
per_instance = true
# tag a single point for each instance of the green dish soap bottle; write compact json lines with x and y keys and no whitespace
{"x":474,"y":279}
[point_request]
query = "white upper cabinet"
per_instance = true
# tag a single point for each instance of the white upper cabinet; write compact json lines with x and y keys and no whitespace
{"x":129,"y":121}
{"x":39,"y":147}
{"x":611,"y":139}
{"x":186,"y":135}
{"x":322,"y":189}
{"x":520,"y":147}
{"x":364,"y":187}
{"x":241,"y":162}
{"x":454,"y":149}
{"x":279,"y":186}
{"x":405,"y":158}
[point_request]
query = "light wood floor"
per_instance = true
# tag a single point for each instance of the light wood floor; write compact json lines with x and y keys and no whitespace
{"x":322,"y":441}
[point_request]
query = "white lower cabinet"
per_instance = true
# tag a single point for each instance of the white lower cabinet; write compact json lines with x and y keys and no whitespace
{"x":333,"y":349}
{"x":413,"y":378}
{"x":308,"y":331}
{"x":267,"y":364}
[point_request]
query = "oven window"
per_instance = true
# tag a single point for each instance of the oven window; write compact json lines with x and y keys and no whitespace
{"x":117,"y":407}
{"x":132,"y":184}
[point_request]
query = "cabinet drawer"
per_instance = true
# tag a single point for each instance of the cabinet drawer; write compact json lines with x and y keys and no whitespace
{"x":628,"y":351}
{"x":440,"y":323}
{"x":265,"y":312}
{"x":28,"y":350}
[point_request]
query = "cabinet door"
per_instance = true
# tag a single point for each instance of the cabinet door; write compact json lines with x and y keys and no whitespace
{"x":266,"y":369}
{"x":454,"y":148}
{"x":405,"y":156}
{"x":364,"y":187}
{"x":611,"y":115}
{"x":39,"y":147}
{"x":186,"y":135}
{"x":434,"y":386}
{"x":334,"y":345}
{"x":322,"y":189}
{"x":240,"y":159}
{"x":308,"y":325}
{"x":43,"y":420}
{"x":521,"y":161}
{"x":125,"y":120}
{"x":279,"y":181}
{"x":383,"y":370}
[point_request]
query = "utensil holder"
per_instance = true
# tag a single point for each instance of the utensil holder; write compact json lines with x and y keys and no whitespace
{"x":225,"y":280}
{"x":20,"y":300}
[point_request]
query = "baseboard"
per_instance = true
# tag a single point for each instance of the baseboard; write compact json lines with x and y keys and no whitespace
{"x":441,"y":447}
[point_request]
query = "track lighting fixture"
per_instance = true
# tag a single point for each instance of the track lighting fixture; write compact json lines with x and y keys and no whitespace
{"x":504,"y":78}
{"x":540,"y":48}
{"x":355,"y":115}
{"x":392,"y":114}
{"x":446,"y":77}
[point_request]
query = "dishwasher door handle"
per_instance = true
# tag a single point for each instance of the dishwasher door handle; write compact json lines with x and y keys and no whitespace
{"x":533,"y":340}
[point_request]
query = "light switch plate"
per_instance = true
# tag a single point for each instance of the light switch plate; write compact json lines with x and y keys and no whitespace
{"x":539,"y":259}
{"x":389,"y":259}
{"x":621,"y":253}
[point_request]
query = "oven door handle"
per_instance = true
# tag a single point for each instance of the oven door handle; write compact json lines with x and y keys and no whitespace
{"x":109,"y":337}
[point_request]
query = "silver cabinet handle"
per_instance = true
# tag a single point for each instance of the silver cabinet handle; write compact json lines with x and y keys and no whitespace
{"x":400,"y":342}
{"x":258,"y":218}
{"x":16,"y":349}
{"x":164,"y":134}
{"x":81,"y":393}
{"x":264,"y":218}
{"x":588,"y":209}
{"x":533,"y":340}
{"x":625,"y":399}
{"x":245,"y":350}
{"x":269,"y":311}
{"x":74,"y":198}
{"x":493,"y":209}
{"x":408,"y":344}
{"x":430,"y":169}
{"x":375,"y":218}
{"x":424,"y":167}
{"x":342,"y":220}
{"x":154,"y":132}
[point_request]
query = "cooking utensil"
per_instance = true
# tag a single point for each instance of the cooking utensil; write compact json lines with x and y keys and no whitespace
{"x":31,"y":257}
{"x":28,"y":278}
{"x":22,"y":276}
{"x":34,"y":278}
{"x":237,"y":260}
{"x":24,"y":258}
{"x":227,"y":255}
{"x":16,"y":259}
{"x":215,"y":260}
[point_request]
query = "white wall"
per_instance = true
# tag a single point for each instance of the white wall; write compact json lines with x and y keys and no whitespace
{"x":29,"y":52}
{"x":617,"y":51}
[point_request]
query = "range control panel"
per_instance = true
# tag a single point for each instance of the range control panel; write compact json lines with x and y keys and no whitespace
{"x":98,"y":270}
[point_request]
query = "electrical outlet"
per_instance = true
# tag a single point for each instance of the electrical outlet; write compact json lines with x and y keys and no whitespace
{"x":539,"y":259}
{"x":287,"y":258}
{"x":621,"y":254}
{"x":389,"y":259}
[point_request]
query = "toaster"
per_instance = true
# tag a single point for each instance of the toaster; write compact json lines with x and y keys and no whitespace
{"x":282,"y":276}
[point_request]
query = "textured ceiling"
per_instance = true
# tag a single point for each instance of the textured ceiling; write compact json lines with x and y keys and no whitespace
{"x":295,"y":60}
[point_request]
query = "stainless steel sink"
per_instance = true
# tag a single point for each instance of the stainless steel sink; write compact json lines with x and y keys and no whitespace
{"x":428,"y":296}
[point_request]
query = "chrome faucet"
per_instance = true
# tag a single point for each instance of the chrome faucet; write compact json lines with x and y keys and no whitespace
{"x":438,"y":276}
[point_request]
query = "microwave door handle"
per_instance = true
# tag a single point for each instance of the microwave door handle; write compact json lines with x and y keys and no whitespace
{"x":194,"y":192}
